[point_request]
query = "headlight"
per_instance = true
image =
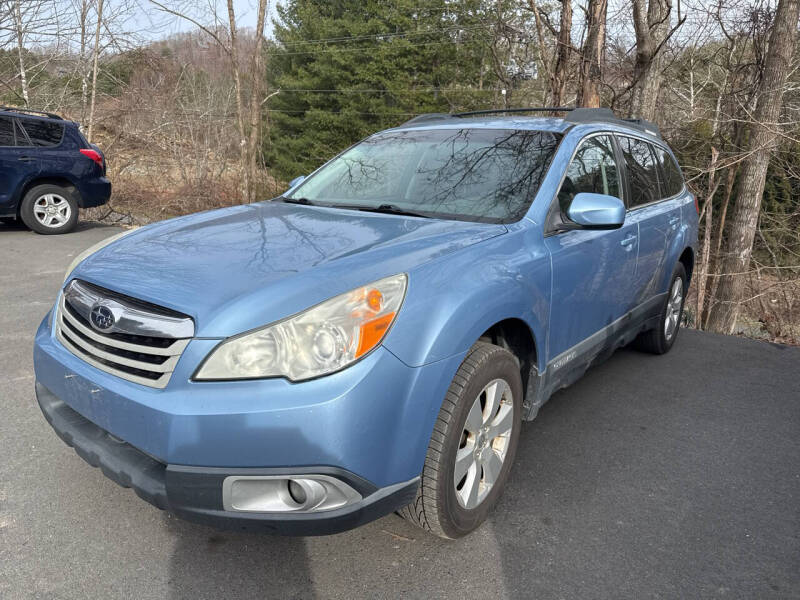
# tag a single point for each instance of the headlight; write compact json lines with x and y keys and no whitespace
{"x":92,"y":249}
{"x":318,"y":341}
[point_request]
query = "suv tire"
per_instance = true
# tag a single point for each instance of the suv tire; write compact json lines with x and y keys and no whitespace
{"x":49,"y":209}
{"x":479,"y":425}
{"x":660,"y":339}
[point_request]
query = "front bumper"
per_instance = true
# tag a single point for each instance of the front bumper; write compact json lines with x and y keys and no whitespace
{"x":369,"y":425}
{"x":195,"y":493}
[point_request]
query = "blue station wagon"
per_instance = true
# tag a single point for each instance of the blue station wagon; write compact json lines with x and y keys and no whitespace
{"x":371,"y":340}
{"x":47,"y":171}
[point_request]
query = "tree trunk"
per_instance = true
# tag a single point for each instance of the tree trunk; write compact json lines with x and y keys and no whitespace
{"x":256,"y":79}
{"x":763,"y":139}
{"x":705,"y":248}
{"x":652,"y":28}
{"x":82,"y":59}
{"x":94,"y":66}
{"x":593,"y":51}
{"x":240,"y":116}
{"x":563,"y":52}
{"x":23,"y":77}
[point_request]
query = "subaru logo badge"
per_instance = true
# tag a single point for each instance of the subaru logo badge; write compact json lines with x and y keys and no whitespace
{"x":101,"y":317}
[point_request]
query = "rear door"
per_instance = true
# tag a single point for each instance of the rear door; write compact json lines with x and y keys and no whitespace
{"x":593,"y":270}
{"x":657,"y":214}
{"x":18,"y":163}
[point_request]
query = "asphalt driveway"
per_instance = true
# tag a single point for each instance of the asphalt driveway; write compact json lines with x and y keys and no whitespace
{"x":652,"y":477}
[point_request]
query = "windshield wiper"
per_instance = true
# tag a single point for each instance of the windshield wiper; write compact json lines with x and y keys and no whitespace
{"x":304,"y":201}
{"x":384,"y":208}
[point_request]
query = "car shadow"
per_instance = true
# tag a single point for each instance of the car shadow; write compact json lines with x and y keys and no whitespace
{"x":210,"y":563}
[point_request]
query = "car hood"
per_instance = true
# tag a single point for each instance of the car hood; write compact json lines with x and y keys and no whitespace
{"x":238,"y":268}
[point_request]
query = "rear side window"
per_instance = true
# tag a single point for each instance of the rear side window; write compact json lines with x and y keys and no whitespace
{"x":593,"y":169}
{"x":43,"y":133}
{"x":642,"y":171}
{"x":6,"y":132}
{"x":673,"y":180}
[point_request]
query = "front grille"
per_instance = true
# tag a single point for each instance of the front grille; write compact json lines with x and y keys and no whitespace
{"x":145,"y":359}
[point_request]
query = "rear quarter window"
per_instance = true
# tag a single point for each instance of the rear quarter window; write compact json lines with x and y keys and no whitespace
{"x":673,"y":180}
{"x":43,"y":133}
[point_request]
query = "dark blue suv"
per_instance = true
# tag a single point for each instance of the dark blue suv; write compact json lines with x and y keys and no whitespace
{"x":47,"y":171}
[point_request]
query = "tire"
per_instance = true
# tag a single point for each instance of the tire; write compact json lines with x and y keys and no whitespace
{"x":49,"y":209}
{"x":660,"y":339}
{"x":441,"y":506}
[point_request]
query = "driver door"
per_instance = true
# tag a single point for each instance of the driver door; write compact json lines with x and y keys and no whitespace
{"x":593,"y":270}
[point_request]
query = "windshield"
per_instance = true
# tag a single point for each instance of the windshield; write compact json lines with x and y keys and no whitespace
{"x":488,"y":175}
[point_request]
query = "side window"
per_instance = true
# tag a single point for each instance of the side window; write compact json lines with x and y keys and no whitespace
{"x":673,"y":180}
{"x":43,"y":133}
{"x":642,"y":171}
{"x":593,"y":169}
{"x":6,"y":132}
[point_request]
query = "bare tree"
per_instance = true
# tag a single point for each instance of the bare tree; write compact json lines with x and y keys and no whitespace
{"x":735,"y":261}
{"x":94,"y":65}
{"x":248,"y":82}
{"x":593,"y":54}
{"x":558,"y":73}
{"x":652,"y":27}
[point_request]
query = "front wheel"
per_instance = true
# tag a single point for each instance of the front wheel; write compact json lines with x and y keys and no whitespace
{"x":49,"y":209}
{"x":473,"y":445}
{"x":660,"y":339}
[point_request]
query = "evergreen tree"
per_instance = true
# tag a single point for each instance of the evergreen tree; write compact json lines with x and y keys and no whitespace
{"x":348,"y":68}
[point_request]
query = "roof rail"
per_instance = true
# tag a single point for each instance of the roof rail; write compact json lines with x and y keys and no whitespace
{"x":606,"y":115}
{"x":575,"y":115}
{"x":428,"y":117}
{"x":514,"y":110}
{"x":31,"y":111}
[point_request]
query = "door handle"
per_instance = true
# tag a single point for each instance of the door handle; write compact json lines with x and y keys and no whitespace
{"x":628,"y":242}
{"x":674,"y":221}
{"x":26,"y":159}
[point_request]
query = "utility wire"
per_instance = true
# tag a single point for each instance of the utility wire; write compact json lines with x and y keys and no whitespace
{"x":374,"y":36}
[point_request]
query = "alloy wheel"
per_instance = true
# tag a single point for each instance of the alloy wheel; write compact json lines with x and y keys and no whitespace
{"x":484,"y":443}
{"x":674,"y":304}
{"x":52,"y":210}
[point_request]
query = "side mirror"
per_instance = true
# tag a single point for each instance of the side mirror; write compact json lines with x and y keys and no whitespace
{"x":296,"y":181}
{"x":596,"y":211}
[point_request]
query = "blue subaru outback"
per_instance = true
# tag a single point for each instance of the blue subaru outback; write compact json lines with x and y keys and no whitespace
{"x":371,"y":340}
{"x":47,"y":171}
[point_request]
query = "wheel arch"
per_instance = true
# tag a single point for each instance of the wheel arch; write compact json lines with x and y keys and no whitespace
{"x":687,"y":259}
{"x":516,"y":336}
{"x":59,"y":181}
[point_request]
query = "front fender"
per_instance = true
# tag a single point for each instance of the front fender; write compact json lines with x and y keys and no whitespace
{"x":451,"y":302}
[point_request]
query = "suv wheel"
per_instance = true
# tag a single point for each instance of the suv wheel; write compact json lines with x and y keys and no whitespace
{"x":473,"y":445}
{"x":660,"y":339}
{"x":49,"y":209}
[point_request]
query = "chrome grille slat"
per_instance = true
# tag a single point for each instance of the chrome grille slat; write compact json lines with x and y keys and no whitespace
{"x":107,"y":369}
{"x":166,"y":367}
{"x":109,"y":341}
{"x":149,"y":363}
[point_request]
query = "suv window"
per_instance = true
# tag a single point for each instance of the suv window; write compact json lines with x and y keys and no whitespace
{"x":642,"y":171}
{"x":6,"y":132}
{"x":593,"y":169}
{"x":673,"y":180}
{"x":43,"y":133}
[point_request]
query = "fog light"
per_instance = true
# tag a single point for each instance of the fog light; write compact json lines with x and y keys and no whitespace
{"x":275,"y":493}
{"x":297,"y":492}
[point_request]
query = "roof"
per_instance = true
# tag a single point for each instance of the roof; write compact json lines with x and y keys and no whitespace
{"x":514,"y":118}
{"x":29,"y":112}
